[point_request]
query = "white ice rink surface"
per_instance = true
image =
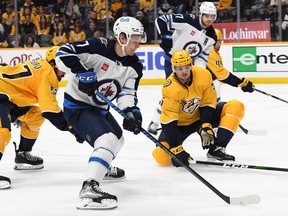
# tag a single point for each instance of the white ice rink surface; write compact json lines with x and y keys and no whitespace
{"x":153,"y":190}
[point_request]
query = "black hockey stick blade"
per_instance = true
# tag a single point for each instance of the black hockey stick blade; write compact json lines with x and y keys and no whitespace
{"x":245,"y":200}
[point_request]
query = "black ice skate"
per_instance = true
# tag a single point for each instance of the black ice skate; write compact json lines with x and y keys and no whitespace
{"x":114,"y":173}
{"x":92,"y":197}
{"x":25,"y":161}
{"x":218,"y":153}
{"x":5,"y":182}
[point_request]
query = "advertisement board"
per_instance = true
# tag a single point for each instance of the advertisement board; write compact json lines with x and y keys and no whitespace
{"x":254,"y":60}
{"x":256,"y":31}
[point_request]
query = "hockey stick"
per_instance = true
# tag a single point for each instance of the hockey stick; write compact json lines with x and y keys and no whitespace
{"x":241,"y":166}
{"x":244,"y":200}
{"x":255,"y":132}
{"x":270,"y":95}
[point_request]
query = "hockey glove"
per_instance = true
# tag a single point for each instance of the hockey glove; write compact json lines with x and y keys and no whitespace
{"x":87,"y":82}
{"x":246,"y":85}
{"x":133,"y":120}
{"x":77,"y":136}
{"x":207,"y":135}
{"x":181,"y":155}
{"x":166,"y":43}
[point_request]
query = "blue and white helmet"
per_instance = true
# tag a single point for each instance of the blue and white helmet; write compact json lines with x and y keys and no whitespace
{"x":129,"y":26}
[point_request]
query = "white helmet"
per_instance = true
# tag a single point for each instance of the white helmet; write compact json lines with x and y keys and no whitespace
{"x":129,"y":26}
{"x":208,"y":8}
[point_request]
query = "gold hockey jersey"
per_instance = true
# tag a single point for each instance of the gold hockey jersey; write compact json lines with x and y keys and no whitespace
{"x":30,"y":83}
{"x":182,"y":102}
{"x":215,"y":65}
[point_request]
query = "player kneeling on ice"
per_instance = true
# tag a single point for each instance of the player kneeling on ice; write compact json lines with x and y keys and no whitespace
{"x":112,"y":68}
{"x":22,"y":87}
{"x":189,"y":106}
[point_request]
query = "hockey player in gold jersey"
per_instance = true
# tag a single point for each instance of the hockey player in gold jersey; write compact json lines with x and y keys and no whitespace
{"x":27,"y":96}
{"x":215,"y":66}
{"x":189,"y":105}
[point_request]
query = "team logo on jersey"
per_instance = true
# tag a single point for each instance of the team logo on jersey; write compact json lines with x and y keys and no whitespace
{"x":105,"y":66}
{"x":168,"y":82}
{"x":53,"y":90}
{"x":190,"y":107}
{"x":104,"y":41}
{"x":193,"y":48}
{"x":109,"y":88}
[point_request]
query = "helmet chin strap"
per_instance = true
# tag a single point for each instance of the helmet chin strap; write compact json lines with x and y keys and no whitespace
{"x":122,"y":46}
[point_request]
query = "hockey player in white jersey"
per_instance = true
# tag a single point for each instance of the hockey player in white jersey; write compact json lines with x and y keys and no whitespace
{"x":111,"y":68}
{"x":194,"y":34}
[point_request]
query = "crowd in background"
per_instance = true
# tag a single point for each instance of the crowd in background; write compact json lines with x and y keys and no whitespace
{"x":54,"y":22}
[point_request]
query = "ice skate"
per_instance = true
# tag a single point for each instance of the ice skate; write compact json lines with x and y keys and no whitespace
{"x":218,"y":153}
{"x":152,"y":128}
{"x":114,"y":173}
{"x":5,"y":182}
{"x":25,"y":161}
{"x":93,"y":198}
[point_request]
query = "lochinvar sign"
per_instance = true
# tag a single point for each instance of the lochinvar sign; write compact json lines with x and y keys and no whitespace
{"x":255,"y":31}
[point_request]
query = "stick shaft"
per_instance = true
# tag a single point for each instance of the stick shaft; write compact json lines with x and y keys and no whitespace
{"x":241,"y":166}
{"x":188,"y":168}
{"x":265,"y":93}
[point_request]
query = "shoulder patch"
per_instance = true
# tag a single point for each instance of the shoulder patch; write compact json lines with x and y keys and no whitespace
{"x":168,"y":82}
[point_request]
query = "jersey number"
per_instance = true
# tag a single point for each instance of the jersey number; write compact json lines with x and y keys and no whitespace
{"x":19,"y":74}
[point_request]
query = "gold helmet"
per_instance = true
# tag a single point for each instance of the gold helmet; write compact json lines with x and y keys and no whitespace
{"x":51,"y":53}
{"x":180,"y":58}
{"x":218,"y":34}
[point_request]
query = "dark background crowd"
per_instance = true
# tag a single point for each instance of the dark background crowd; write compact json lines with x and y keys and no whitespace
{"x":54,"y":22}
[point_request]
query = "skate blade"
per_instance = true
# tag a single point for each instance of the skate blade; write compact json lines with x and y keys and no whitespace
{"x":110,"y":178}
{"x":28,"y":167}
{"x":4,"y":185}
{"x":88,"y":204}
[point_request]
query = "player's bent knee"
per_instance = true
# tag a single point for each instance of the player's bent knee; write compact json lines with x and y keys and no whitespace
{"x":235,"y":108}
{"x":110,"y":142}
{"x":160,"y":156}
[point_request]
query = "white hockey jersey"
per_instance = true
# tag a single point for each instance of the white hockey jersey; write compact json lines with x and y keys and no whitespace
{"x":187,"y":34}
{"x":117,"y":76}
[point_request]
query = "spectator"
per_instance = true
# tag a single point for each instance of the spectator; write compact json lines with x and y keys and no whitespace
{"x":60,"y":36}
{"x":43,"y":27}
{"x":124,"y":11}
{"x":71,"y":22}
{"x":27,"y":11}
{"x":165,"y":8}
{"x":17,"y":41}
{"x":30,"y":42}
{"x":28,"y":26}
{"x":28,"y":4}
{"x":58,"y":7}
{"x":180,"y":6}
{"x":77,"y":34}
{"x":54,"y":23}
{"x":285,"y":25}
{"x":91,"y":30}
{"x":272,"y":15}
{"x":115,"y":5}
{"x":146,"y":5}
{"x":73,"y":7}
{"x":8,"y":19}
{"x":41,"y":11}
{"x":92,"y":17}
